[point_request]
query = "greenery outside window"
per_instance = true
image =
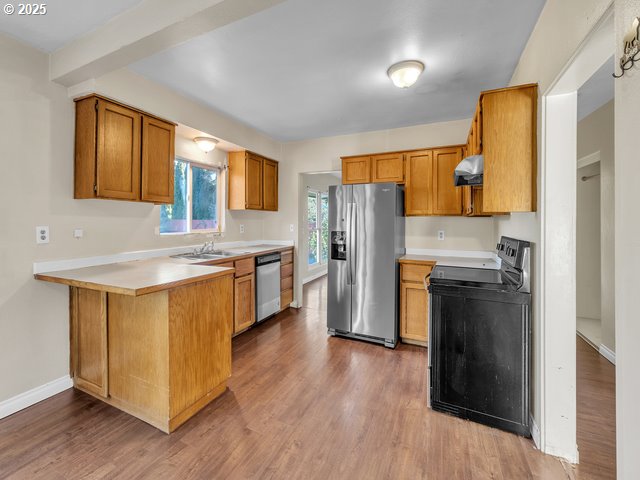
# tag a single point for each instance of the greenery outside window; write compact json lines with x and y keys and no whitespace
{"x":318,"y":227}
{"x":196,"y":200}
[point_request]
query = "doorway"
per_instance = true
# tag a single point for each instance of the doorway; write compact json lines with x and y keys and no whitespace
{"x":314,"y":234}
{"x":558,"y":245}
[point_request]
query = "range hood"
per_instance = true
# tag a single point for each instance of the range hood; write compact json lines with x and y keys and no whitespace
{"x":469,"y":171}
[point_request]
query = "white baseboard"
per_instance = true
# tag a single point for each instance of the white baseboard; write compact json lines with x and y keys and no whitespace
{"x":35,"y":395}
{"x":311,"y":277}
{"x":535,"y":432}
{"x":607,"y":353}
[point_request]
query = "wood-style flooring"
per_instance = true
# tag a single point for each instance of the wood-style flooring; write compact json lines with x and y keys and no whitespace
{"x":300,"y":405}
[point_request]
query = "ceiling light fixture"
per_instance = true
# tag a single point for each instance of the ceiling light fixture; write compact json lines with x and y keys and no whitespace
{"x":404,"y":74}
{"x":206,"y":144}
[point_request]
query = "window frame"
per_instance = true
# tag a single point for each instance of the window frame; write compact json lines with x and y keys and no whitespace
{"x":189,"y":205}
{"x":318,"y":230}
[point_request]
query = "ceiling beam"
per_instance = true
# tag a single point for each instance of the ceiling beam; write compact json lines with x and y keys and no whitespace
{"x":150,"y":27}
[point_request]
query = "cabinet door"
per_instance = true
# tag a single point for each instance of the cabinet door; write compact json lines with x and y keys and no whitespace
{"x":447,"y":198}
{"x":244,"y":303}
{"x":89,"y":357}
{"x":467,"y":201}
{"x":158,"y":153}
{"x":270,"y":185}
{"x":253,"y":179}
{"x":118,"y":152}
{"x":387,"y":168}
{"x":356,"y":170}
{"x":413,"y":312}
{"x":418,"y":188}
{"x":509,"y":121}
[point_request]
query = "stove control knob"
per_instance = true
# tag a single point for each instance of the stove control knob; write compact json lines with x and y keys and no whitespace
{"x":499,"y":247}
{"x":510,"y":252}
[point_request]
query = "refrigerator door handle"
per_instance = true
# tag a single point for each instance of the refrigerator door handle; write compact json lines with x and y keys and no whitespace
{"x":349,"y":251}
{"x":354,"y":253}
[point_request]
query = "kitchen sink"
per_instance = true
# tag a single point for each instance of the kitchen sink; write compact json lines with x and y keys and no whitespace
{"x":205,"y":256}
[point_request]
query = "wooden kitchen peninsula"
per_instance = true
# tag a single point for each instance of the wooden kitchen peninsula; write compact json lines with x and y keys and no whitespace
{"x":150,"y":337}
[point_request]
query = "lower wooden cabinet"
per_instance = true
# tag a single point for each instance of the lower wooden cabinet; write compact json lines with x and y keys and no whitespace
{"x":286,"y":279}
{"x":414,"y":303}
{"x":244,"y":314}
{"x":89,"y":355}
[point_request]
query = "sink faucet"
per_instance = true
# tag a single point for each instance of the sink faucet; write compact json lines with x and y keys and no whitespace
{"x":207,"y":247}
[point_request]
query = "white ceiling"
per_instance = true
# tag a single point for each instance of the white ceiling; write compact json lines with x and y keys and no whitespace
{"x":64,"y":21}
{"x":309,"y":68}
{"x":597,"y":91}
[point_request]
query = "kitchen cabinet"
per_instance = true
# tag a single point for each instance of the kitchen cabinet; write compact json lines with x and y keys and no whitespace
{"x":379,"y":168}
{"x":270,"y":185}
{"x":244,"y":295}
{"x":150,"y":338}
{"x":122,"y":153}
{"x":158,"y":153}
{"x":430,"y":188}
{"x":356,"y":170}
{"x":244,"y":303}
{"x":286,"y":279}
{"x":447,"y":199}
{"x":253,"y":182}
{"x":89,"y":357}
{"x":387,"y":168}
{"x":509,"y":142}
{"x":414,"y":299}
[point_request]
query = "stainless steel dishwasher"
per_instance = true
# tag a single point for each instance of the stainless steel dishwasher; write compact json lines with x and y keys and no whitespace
{"x":267,"y":285}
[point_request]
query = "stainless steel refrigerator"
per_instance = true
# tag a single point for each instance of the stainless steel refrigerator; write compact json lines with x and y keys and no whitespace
{"x":366,"y":233}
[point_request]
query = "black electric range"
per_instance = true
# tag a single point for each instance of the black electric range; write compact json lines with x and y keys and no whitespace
{"x":479,"y":340}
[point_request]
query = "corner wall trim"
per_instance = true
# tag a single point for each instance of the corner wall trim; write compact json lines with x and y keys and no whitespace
{"x":33,"y":396}
{"x":607,"y":353}
{"x":535,"y":432}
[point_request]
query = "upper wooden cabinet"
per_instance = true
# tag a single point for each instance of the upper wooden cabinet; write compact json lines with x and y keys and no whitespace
{"x":430,"y":188}
{"x":158,"y":151}
{"x":508,"y":142}
{"x":356,"y":170}
{"x":447,"y":199}
{"x":122,"y":153}
{"x":387,"y":168}
{"x":380,"y":168}
{"x":270,"y":185}
{"x":253,"y":182}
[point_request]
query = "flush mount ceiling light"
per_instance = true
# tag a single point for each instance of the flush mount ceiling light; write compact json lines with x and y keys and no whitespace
{"x":206,"y":144}
{"x":404,"y":74}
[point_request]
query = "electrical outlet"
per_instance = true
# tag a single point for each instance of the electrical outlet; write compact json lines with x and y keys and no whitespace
{"x":156,"y":230}
{"x":440,"y":234}
{"x":291,"y":227}
{"x":78,"y":233}
{"x":42,"y":234}
{"x":241,"y":228}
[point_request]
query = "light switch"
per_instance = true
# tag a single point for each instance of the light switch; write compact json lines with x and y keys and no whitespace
{"x":78,"y":233}
{"x":42,"y":234}
{"x":291,"y":227}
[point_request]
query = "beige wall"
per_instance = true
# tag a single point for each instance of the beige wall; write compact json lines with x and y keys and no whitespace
{"x":596,"y":134}
{"x":588,"y":243}
{"x":37,"y":121}
{"x":627,"y":246}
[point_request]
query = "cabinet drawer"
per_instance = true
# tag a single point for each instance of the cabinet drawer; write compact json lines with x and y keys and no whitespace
{"x":225,"y":264}
{"x":286,"y":297}
{"x":414,"y":273}
{"x":245,"y":266}
{"x":286,"y":270}
{"x":286,"y":283}
{"x":286,"y":257}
